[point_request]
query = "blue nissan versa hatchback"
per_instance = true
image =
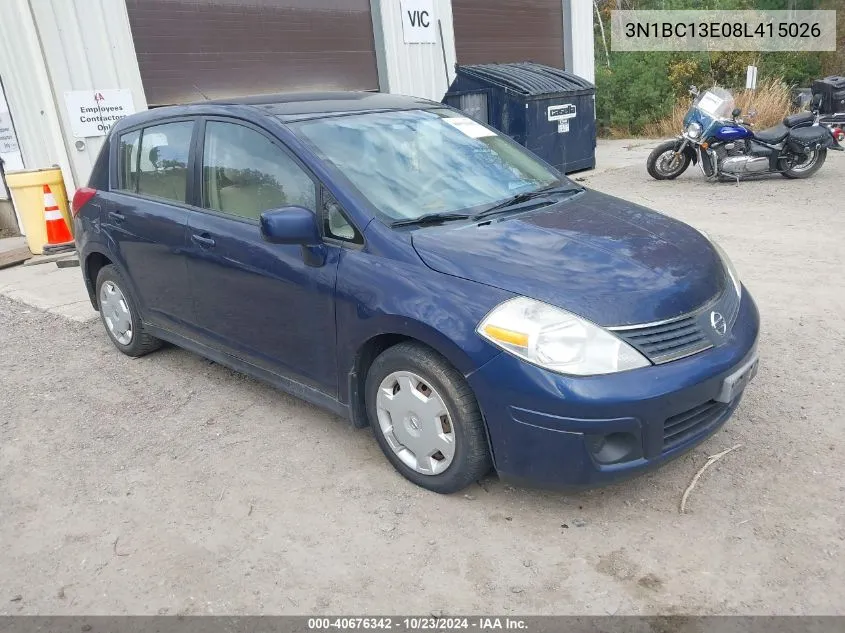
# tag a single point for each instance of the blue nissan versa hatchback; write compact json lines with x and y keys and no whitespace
{"x":412,"y":270}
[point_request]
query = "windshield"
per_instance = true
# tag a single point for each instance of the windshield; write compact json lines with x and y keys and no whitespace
{"x":717,"y":103}
{"x":416,"y":162}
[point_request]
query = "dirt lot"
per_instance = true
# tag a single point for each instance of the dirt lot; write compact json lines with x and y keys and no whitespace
{"x":171,"y":485}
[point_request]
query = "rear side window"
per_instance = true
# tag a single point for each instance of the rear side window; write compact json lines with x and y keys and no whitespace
{"x":245,"y":174}
{"x":99,"y":178}
{"x":160,"y":167}
{"x":128,"y":147}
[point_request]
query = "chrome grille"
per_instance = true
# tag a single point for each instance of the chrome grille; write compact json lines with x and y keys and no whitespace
{"x":668,"y":341}
{"x":729,"y":305}
{"x":684,"y":335}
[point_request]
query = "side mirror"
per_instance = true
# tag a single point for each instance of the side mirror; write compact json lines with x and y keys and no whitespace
{"x":736,"y":112}
{"x":693,"y":90}
{"x":290,"y":225}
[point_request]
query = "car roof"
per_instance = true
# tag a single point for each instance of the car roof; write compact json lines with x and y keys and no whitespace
{"x":288,"y":106}
{"x":308,"y":105}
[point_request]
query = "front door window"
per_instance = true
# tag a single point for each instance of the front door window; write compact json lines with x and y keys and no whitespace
{"x":245,"y":174}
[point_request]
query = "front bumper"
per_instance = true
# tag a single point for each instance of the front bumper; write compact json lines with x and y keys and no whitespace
{"x":547,"y":429}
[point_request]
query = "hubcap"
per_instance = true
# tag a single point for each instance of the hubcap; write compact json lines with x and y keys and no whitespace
{"x":115,"y":311}
{"x":415,"y":422}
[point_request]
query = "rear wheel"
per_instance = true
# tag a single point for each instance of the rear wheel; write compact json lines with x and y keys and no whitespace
{"x":664,"y":162}
{"x":119,"y":314}
{"x":426,"y":419}
{"x":807,"y":165}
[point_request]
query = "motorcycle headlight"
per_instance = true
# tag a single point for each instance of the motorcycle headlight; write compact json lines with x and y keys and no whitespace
{"x":556,"y":339}
{"x":693,"y":130}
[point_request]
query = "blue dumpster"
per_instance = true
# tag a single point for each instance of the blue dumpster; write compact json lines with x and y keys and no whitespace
{"x":549,"y":111}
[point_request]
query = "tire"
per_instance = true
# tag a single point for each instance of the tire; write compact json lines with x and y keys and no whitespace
{"x":655,"y":167}
{"x":812,"y":168}
{"x":463,"y":421}
{"x":139,"y":342}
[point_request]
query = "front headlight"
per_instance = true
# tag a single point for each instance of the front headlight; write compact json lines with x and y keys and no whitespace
{"x":726,"y":262}
{"x":556,"y":339}
{"x":693,"y":130}
{"x":729,"y":266}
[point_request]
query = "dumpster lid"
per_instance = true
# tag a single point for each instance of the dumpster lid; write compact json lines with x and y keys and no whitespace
{"x":529,"y":79}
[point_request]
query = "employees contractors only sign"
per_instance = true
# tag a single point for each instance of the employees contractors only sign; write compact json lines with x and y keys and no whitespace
{"x":94,"y":112}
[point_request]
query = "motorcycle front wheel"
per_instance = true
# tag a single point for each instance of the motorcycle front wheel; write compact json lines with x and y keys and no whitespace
{"x":808,"y":166}
{"x":663,"y":164}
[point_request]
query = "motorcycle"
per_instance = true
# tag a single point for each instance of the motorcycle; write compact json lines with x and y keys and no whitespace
{"x":827,"y":97}
{"x":726,"y":148}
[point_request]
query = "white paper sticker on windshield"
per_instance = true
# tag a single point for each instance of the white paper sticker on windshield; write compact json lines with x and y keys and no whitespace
{"x":710,"y":102}
{"x":469,"y":127}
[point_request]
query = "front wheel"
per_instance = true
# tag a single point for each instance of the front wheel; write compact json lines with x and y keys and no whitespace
{"x":664,"y":162}
{"x":426,"y":419}
{"x":808,"y":165}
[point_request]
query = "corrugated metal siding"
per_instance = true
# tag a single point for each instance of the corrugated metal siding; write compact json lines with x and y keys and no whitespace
{"x":418,"y":70}
{"x":103,"y":59}
{"x":27,"y":87}
{"x":578,"y":39}
{"x":226,"y":48}
{"x":500,"y":31}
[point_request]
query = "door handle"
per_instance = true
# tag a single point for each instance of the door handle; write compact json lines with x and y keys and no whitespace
{"x":117,"y":217}
{"x":202,"y":240}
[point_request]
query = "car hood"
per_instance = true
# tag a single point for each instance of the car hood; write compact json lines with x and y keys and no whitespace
{"x":608,"y":260}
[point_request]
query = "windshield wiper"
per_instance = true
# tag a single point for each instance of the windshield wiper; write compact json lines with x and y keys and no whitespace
{"x":525,"y":197}
{"x":431,"y":218}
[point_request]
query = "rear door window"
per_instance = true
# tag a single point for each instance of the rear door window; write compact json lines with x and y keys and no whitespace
{"x":244,"y":173}
{"x":162,"y":162}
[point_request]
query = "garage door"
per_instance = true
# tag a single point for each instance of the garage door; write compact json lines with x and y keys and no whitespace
{"x":497,"y":31}
{"x":226,"y":48}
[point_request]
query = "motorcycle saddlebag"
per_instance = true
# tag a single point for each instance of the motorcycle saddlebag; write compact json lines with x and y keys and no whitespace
{"x":803,"y":139}
{"x":832,"y":93}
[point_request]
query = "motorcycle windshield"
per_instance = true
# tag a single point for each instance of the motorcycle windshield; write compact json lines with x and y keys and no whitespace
{"x":716,"y":103}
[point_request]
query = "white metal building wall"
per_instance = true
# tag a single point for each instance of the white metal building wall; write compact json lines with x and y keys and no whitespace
{"x":578,"y":36}
{"x":419,"y":70}
{"x":28,"y":89}
{"x":48,"y":47}
{"x":88,"y":46}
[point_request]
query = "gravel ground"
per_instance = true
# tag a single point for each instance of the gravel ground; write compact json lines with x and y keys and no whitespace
{"x":169,"y":484}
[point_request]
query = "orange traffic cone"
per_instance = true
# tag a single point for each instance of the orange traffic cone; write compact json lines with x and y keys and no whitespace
{"x":58,"y":235}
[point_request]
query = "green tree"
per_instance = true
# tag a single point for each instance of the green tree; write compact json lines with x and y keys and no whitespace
{"x":634,"y":91}
{"x":640,"y":88}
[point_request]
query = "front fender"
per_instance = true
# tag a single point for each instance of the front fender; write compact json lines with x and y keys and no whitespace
{"x":689,"y":150}
{"x":377,"y":296}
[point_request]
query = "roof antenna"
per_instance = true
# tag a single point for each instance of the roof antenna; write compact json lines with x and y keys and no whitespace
{"x":205,"y":96}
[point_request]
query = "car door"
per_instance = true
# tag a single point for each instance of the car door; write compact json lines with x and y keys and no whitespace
{"x":269,"y":304}
{"x":145,"y":219}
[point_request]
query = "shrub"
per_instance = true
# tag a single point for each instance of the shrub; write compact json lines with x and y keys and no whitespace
{"x":633,"y":92}
{"x":772,"y":100}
